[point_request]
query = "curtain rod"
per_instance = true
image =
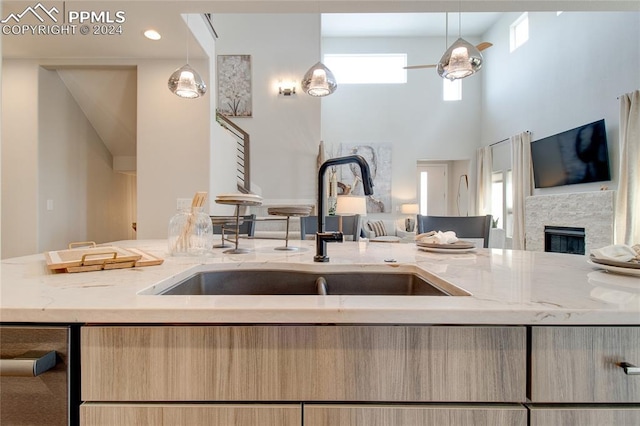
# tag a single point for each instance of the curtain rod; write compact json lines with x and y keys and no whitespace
{"x":505,"y":140}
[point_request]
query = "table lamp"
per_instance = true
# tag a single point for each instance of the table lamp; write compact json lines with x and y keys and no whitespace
{"x":351,"y":204}
{"x":410,"y":209}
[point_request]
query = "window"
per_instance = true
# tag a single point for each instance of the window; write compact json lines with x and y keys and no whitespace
{"x":451,"y":90}
{"x":519,"y":32}
{"x":377,"y":68}
{"x":502,"y":200}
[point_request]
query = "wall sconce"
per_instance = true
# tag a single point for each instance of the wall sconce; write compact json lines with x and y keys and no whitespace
{"x":286,"y":88}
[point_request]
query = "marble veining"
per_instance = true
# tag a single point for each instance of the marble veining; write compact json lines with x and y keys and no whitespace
{"x":506,"y":287}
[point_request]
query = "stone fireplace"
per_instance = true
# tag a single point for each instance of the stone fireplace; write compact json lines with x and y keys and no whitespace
{"x":593,"y":211}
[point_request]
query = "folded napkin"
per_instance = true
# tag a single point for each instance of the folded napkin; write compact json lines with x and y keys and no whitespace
{"x":617,"y":252}
{"x":438,"y":237}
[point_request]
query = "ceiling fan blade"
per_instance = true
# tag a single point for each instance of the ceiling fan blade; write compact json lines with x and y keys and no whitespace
{"x":484,"y":45}
{"x":414,"y":67}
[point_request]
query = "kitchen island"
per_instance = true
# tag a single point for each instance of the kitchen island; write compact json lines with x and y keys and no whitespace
{"x":538,"y":339}
{"x":506,"y":287}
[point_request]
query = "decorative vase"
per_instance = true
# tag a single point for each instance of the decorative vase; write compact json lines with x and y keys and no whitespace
{"x":190,"y":233}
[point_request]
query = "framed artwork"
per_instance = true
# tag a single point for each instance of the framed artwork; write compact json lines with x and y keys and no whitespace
{"x":378,"y":157}
{"x":234,"y":85}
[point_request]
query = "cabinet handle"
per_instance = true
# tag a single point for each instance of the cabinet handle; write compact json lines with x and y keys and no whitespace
{"x":30,"y":364}
{"x":630,"y":369}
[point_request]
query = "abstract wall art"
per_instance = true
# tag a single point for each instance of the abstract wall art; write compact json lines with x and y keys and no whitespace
{"x":234,"y":85}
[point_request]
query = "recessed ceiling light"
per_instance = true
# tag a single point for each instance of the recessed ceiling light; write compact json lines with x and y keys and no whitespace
{"x":152,"y":35}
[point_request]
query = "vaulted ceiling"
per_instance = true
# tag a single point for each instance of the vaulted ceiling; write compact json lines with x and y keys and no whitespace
{"x":108,"y":96}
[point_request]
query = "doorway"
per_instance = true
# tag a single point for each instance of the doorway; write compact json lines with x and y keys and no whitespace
{"x":433,"y":188}
{"x":86,"y":155}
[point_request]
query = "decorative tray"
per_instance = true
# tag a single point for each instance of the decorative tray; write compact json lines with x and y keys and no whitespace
{"x":97,"y":258}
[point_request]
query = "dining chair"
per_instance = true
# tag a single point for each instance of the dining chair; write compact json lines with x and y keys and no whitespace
{"x":463,"y":226}
{"x":350,"y":226}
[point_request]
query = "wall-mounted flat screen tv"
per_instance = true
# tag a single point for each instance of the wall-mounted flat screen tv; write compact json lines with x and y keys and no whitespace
{"x":579,"y":155}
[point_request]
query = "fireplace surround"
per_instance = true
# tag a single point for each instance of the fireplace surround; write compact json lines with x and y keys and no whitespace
{"x":593,"y":211}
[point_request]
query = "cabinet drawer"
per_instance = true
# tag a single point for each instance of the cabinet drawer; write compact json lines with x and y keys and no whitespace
{"x":93,"y":414}
{"x":370,"y":415}
{"x":304,"y":363}
{"x":585,"y":416}
{"x":581,"y":364}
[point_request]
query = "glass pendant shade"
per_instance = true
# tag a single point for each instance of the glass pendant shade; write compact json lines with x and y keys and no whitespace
{"x":187,"y":83}
{"x":460,"y":60}
{"x":319,"y":81}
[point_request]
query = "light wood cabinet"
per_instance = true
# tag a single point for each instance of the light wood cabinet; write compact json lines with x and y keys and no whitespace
{"x":368,"y":415}
{"x":581,"y":364}
{"x":95,"y":414}
{"x":586,"y":416}
{"x":304,"y":363}
{"x":347,"y":375}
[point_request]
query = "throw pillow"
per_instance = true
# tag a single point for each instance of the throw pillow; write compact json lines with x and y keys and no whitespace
{"x":377,"y":227}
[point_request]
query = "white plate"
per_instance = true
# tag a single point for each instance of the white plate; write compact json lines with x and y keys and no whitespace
{"x":448,"y":251}
{"x":458,"y":245}
{"x":616,"y":269}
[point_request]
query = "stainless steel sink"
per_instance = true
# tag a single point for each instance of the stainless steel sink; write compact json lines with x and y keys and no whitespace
{"x":277,"y":282}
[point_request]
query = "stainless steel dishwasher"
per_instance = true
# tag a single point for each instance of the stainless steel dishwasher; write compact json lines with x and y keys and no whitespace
{"x":37,"y":384}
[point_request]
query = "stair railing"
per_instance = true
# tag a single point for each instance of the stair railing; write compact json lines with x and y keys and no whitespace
{"x":243,"y":176}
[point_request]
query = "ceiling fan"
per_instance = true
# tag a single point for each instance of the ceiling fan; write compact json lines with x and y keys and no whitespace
{"x":461,"y":59}
{"x":481,"y":46}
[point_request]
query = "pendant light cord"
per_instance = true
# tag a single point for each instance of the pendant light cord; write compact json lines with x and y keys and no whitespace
{"x":446,"y":31}
{"x":460,"y":19}
{"x":187,"y":38}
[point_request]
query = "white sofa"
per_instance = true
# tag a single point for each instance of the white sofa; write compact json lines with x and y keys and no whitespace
{"x":394,"y":231}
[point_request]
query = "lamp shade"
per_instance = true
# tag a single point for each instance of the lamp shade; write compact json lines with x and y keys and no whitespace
{"x":319,"y":81}
{"x":460,"y":60}
{"x":351,"y":204}
{"x":187,"y":83}
{"x":409,"y":209}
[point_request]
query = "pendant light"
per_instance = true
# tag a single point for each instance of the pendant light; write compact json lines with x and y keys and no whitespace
{"x":461,"y":59}
{"x":319,"y":80}
{"x":185,"y":81}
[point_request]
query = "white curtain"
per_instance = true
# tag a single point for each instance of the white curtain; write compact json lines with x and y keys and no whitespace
{"x":484,"y":163}
{"x":627,"y":225}
{"x":522,"y":184}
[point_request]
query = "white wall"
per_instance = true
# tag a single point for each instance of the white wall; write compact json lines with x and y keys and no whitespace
{"x":173,"y":145}
{"x":90,"y":202}
{"x":173,"y":148}
{"x":51,"y":152}
{"x":19,"y":157}
{"x":285,"y":131}
{"x":569,"y":73}
{"x":411,"y":117}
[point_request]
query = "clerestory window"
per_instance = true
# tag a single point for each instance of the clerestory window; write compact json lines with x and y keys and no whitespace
{"x":368,"y":68}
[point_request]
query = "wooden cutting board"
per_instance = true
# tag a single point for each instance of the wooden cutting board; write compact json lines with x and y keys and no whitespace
{"x":94,"y":258}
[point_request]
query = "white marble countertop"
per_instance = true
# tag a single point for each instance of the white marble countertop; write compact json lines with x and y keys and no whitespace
{"x":507,"y":287}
